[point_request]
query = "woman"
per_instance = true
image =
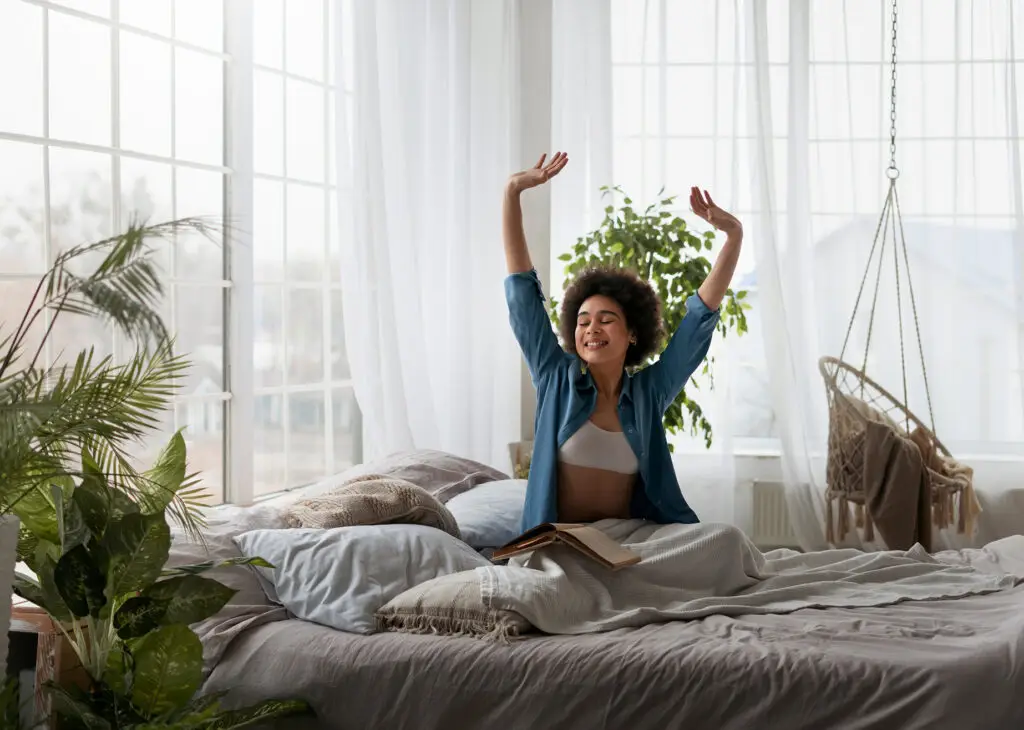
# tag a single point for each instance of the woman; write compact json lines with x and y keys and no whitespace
{"x":599,"y":447}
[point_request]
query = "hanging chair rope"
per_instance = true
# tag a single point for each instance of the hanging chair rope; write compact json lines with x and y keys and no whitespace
{"x":860,"y":408}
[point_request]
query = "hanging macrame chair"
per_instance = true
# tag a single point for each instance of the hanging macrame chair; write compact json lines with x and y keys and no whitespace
{"x":860,"y":408}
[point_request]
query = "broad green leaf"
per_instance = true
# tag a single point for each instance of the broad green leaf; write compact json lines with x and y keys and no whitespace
{"x":94,"y":504}
{"x":266,"y":710}
{"x":80,"y":582}
{"x":68,"y":707}
{"x":138,"y":546}
{"x":196,"y":568}
{"x":55,"y":605}
{"x":189,"y":598}
{"x":165,"y":478}
{"x":30,"y":590}
{"x":116,"y":675}
{"x":35,"y":508}
{"x":139,"y":615}
{"x":168,"y":669}
{"x":73,"y":530}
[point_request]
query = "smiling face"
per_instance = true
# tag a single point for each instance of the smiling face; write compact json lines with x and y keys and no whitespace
{"x":602,"y":336}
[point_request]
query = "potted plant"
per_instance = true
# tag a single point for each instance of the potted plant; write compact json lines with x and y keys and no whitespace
{"x":659,"y":245}
{"x":103,"y":580}
{"x":93,"y":528}
{"x":49,"y":414}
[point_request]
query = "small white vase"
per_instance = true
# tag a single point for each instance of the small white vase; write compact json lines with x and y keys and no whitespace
{"x":8,"y":558}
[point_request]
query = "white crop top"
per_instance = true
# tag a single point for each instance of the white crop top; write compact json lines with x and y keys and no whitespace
{"x":593,"y":447}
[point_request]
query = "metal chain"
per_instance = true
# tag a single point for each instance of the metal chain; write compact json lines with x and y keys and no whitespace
{"x":893,"y":171}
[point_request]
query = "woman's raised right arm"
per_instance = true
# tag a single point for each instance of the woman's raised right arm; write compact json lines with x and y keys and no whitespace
{"x":529,"y":319}
{"x":517,"y":254}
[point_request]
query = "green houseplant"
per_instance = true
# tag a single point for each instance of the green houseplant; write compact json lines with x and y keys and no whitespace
{"x":104,"y":580}
{"x":659,"y":245}
{"x":93,"y":527}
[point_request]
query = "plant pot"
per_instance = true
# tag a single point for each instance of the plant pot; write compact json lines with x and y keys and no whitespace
{"x":8,"y":558}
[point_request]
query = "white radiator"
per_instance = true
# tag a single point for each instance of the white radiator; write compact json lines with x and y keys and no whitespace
{"x":771,"y":526}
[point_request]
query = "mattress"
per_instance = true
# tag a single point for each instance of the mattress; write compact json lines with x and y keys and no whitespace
{"x":956,"y":664}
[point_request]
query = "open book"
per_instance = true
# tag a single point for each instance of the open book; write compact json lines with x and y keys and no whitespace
{"x":588,"y":540}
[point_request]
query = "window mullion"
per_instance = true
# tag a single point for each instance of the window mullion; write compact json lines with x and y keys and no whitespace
{"x":238,"y":225}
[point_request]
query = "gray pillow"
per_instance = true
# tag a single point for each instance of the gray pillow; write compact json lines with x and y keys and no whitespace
{"x":442,"y":474}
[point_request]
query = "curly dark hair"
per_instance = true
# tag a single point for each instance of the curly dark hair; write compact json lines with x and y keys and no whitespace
{"x":636,"y":297}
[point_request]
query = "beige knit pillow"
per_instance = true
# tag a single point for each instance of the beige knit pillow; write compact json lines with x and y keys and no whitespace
{"x":450,"y":605}
{"x":372,"y":500}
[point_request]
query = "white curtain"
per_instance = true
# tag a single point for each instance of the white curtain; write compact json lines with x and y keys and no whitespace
{"x":818,"y":93}
{"x":433,"y":362}
{"x":782,"y":111}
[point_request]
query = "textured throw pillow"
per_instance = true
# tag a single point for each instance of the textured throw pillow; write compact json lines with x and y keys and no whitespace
{"x":450,"y":605}
{"x":442,"y":474}
{"x":489,"y":516}
{"x":372,"y":500}
{"x":342,"y":576}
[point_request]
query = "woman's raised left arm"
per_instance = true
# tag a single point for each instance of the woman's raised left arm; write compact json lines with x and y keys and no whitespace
{"x":713,"y":290}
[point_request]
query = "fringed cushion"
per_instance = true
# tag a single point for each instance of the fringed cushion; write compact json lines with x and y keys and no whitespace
{"x":450,"y":605}
{"x":372,"y":500}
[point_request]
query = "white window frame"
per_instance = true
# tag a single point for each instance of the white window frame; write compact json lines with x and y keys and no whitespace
{"x":238,"y":392}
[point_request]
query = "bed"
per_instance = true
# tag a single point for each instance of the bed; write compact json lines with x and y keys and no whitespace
{"x":956,"y":664}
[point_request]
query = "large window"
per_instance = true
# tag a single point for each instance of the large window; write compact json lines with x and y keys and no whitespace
{"x":680,"y":118}
{"x":122,"y":108}
{"x":684,"y":76}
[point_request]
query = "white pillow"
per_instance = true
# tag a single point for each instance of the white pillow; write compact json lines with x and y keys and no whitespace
{"x":340,"y":577}
{"x":488,"y":515}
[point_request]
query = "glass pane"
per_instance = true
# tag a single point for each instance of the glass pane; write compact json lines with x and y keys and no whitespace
{"x":200,"y":193}
{"x":268,"y":33}
{"x":79,"y":91}
{"x":306,"y":233}
{"x":146,"y":194}
{"x":269,"y":444}
{"x":268,"y":230}
{"x":339,"y":353}
{"x":334,"y":237}
{"x":200,"y":22}
{"x":94,"y":7}
{"x":636,"y":34}
{"x":21,"y":47}
{"x":305,"y":143}
{"x":73,"y":333}
{"x":152,"y":15}
{"x":304,"y":38}
{"x":145,"y":114}
{"x":268,"y":122}
{"x":200,"y":335}
{"x":306,"y":442}
{"x":199,"y":100}
{"x":348,"y":46}
{"x":682,"y":116}
{"x":80,"y":197}
{"x":203,"y":421}
{"x":21,"y":208}
{"x":268,"y":336}
{"x":345,"y":413}
{"x":305,"y":336}
{"x":13,"y":304}
{"x":700,"y":19}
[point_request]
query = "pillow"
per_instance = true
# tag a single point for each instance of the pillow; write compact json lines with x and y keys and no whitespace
{"x":372,"y":500}
{"x":249,"y":607}
{"x":488,"y":516}
{"x":340,"y":577}
{"x":443,"y":475}
{"x":450,"y":605}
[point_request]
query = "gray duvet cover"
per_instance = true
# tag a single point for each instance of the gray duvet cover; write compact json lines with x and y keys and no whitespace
{"x":956,"y":665}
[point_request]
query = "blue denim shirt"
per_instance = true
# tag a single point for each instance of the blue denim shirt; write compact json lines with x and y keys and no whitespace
{"x":566,"y":396}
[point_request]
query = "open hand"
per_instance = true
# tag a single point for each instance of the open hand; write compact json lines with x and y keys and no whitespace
{"x":539,"y":173}
{"x":704,"y":206}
